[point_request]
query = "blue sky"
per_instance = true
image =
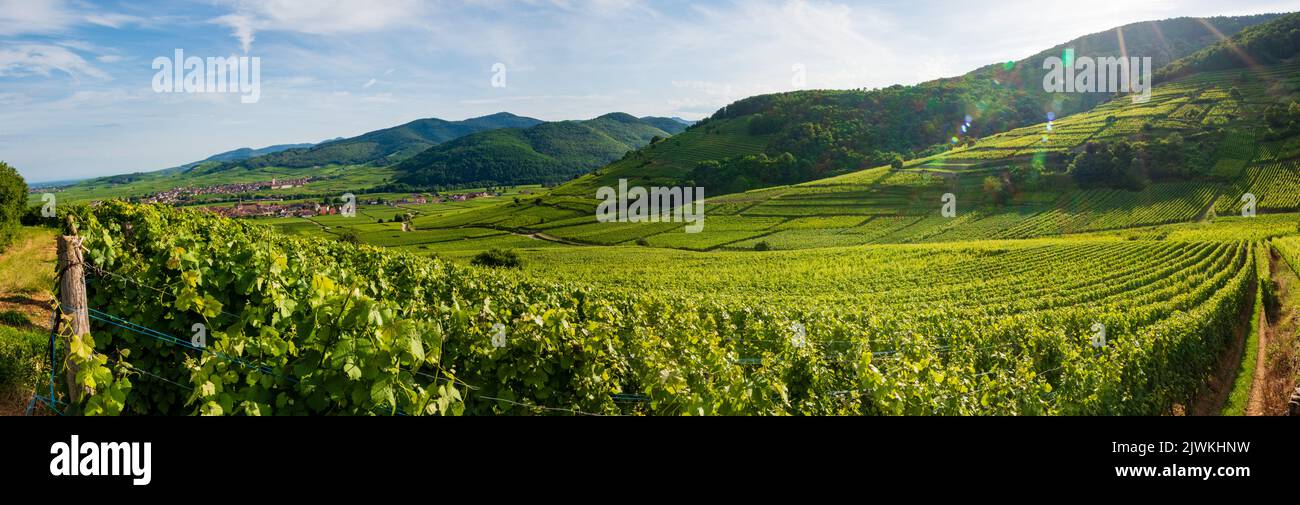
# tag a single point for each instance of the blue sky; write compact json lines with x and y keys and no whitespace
{"x":75,"y":76}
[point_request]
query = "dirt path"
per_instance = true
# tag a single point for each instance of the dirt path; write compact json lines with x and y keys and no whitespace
{"x":1276,"y":362}
{"x":28,"y":281}
{"x":547,"y":238}
{"x":1214,"y":395}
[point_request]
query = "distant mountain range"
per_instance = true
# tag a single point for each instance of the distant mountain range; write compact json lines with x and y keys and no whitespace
{"x":546,"y":153}
{"x":383,"y":147}
{"x":523,"y":150}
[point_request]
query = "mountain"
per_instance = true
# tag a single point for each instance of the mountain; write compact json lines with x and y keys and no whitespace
{"x":673,"y":125}
{"x":384,"y":146}
{"x":244,"y":153}
{"x":829,"y":132}
{"x":545,"y":153}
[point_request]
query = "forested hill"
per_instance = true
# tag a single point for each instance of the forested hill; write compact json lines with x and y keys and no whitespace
{"x":1263,"y":44}
{"x":545,"y":153}
{"x":386,"y":145}
{"x":827,"y":132}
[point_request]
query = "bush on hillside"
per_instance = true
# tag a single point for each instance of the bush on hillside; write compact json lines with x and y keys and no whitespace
{"x":498,"y":258}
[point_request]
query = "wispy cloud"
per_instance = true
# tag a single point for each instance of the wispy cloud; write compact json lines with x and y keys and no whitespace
{"x":319,"y":17}
{"x":44,"y":59}
{"x":241,"y":26}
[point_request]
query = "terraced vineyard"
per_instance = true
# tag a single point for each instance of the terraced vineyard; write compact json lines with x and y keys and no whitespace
{"x":884,"y":206}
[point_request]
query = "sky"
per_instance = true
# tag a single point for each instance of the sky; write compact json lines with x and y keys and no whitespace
{"x":77,"y":93}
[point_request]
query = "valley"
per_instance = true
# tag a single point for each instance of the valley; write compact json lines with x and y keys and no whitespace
{"x":974,"y":245}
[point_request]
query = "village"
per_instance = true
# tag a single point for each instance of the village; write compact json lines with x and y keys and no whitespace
{"x":332,"y":206}
{"x":184,"y":195}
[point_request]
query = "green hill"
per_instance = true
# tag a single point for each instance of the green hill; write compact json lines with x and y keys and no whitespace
{"x":830,"y":132}
{"x":545,"y":153}
{"x":1187,"y":154}
{"x":673,"y":125}
{"x":384,"y":146}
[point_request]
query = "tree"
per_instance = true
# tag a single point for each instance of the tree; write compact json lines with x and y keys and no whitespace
{"x":349,"y":236}
{"x":996,"y":189}
{"x":498,"y":258}
{"x":897,"y":162}
{"x":13,"y":202}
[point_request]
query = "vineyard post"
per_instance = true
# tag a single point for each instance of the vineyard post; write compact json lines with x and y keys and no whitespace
{"x":72,"y":302}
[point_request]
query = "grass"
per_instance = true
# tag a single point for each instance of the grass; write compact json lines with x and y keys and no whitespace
{"x":28,"y":264}
{"x":26,"y":281}
{"x":1239,"y":397}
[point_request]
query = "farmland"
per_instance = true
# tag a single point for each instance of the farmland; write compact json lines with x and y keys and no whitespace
{"x":1114,"y":259}
{"x":969,"y":342}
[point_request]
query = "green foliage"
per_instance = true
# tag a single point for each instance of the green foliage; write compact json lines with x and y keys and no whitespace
{"x":21,"y":354}
{"x":1262,"y":44}
{"x":545,"y":153}
{"x":333,"y":329}
{"x":381,"y":146}
{"x":13,"y":203}
{"x":14,"y":318}
{"x":498,"y":258}
{"x":349,"y":236}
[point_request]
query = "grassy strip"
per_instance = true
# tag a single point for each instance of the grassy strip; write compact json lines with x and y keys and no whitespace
{"x":1239,"y":398}
{"x":22,"y":354}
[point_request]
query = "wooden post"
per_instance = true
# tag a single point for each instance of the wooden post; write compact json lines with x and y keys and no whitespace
{"x":72,"y":301}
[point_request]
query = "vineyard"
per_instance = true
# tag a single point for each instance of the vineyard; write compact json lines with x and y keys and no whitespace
{"x":307,"y":326}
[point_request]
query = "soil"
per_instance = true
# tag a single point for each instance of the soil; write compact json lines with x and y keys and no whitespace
{"x":1276,"y":362}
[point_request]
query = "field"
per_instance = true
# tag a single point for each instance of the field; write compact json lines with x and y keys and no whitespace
{"x":991,"y":278}
{"x":954,"y":328}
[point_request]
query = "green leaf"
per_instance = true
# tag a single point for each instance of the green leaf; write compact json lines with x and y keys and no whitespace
{"x":417,"y":350}
{"x":351,"y":369}
{"x":382,"y":392}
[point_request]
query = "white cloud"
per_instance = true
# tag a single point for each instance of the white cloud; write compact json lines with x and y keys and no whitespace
{"x":369,"y":83}
{"x":19,"y":17}
{"x":25,"y":17}
{"x":318,"y":17}
{"x":42,"y":59}
{"x":241,"y":26}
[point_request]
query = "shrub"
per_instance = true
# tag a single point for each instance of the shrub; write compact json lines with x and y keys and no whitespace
{"x":13,"y":318}
{"x":497,"y":258}
{"x":762,"y":246}
{"x":350,"y":236}
{"x":13,"y":203}
{"x":642,"y":242}
{"x":21,"y":355}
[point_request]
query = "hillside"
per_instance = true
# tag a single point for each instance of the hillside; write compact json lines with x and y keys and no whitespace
{"x":830,"y":132}
{"x":545,"y":153}
{"x":384,"y":146}
{"x":1189,"y":153}
{"x":672,"y":125}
